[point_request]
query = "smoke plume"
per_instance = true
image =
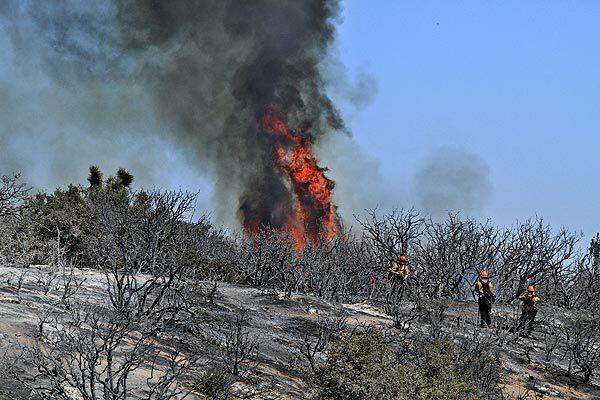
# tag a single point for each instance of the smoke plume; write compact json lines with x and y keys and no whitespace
{"x":452,"y":179}
{"x":193,"y":74}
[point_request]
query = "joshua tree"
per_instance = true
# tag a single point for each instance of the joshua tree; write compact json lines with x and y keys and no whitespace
{"x":124,"y":177}
{"x":95,"y":178}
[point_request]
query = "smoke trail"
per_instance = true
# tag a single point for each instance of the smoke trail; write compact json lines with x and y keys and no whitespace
{"x":197,"y":72}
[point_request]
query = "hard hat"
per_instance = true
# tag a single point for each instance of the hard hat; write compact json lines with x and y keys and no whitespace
{"x":403,"y":259}
{"x":530,"y":289}
{"x":484,"y":274}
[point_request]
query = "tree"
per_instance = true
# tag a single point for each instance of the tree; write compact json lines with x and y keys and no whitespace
{"x":95,"y":178}
{"x":124,"y":177}
{"x":452,"y":254}
{"x":534,"y":254}
{"x":56,"y":223}
{"x":13,"y":194}
{"x":583,"y":344}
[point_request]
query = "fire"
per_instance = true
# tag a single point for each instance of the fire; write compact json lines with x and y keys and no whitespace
{"x":314,"y":216}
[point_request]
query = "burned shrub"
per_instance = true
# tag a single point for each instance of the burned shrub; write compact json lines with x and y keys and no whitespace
{"x":583,"y":344}
{"x":240,"y":347}
{"x":533,"y":254}
{"x":394,"y":233}
{"x":314,"y":344}
{"x":343,"y":270}
{"x":583,"y":289}
{"x":13,"y":194}
{"x":453,"y":252}
{"x":268,"y":259}
{"x":95,"y":351}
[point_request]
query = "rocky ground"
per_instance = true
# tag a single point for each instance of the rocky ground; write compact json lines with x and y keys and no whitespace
{"x":280,"y":326}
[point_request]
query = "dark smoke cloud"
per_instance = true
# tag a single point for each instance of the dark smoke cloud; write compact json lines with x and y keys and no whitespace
{"x":230,"y":60}
{"x":196,"y":74}
{"x":452,"y":179}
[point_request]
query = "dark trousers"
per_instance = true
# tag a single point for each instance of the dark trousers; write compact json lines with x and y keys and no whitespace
{"x":397,"y":287}
{"x":527,"y":319}
{"x":485,"y":312}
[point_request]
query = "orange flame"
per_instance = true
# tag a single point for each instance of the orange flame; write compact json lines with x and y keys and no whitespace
{"x":314,"y":216}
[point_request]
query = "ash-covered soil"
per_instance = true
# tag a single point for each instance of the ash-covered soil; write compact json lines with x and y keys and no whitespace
{"x":281,"y":324}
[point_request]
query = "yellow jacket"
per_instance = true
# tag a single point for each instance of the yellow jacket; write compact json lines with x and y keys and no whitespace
{"x":400,"y":270}
{"x":529,"y":300}
{"x":479,"y":286}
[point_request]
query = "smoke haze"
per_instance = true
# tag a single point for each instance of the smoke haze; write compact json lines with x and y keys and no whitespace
{"x":63,"y":105}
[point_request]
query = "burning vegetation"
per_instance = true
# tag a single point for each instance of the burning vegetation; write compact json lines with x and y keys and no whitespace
{"x":252,"y":114}
{"x":312,"y":217}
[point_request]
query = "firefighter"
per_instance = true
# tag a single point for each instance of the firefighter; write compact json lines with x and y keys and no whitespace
{"x":399,"y":271}
{"x":398,"y":276}
{"x":485,"y":298}
{"x":530,"y":300}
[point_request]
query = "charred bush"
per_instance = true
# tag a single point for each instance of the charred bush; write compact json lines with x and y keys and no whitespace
{"x":240,"y":347}
{"x":534,"y":254}
{"x":583,"y":344}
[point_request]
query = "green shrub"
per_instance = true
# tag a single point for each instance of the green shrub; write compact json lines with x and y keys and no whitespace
{"x":56,"y":223}
{"x":363,"y":366}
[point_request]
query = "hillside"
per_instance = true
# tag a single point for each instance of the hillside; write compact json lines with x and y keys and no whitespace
{"x":279,"y":327}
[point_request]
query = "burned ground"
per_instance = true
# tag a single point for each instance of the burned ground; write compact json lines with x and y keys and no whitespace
{"x":280,"y":326}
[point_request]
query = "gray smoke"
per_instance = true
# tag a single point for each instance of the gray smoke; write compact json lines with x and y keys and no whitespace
{"x":63,"y":106}
{"x":452,"y":179}
{"x":121,"y":77}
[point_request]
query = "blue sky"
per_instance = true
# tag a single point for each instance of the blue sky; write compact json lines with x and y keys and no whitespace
{"x":515,"y":83}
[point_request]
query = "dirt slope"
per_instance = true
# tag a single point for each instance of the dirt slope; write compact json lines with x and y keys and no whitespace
{"x":280,"y":326}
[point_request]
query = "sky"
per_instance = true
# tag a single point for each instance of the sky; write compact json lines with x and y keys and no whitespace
{"x":487,"y":108}
{"x":514,"y":84}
